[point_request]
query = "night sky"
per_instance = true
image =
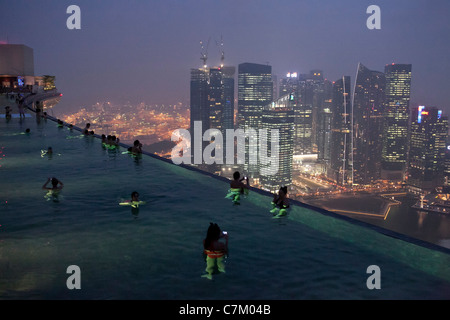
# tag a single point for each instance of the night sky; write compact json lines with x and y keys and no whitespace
{"x":143,"y":50}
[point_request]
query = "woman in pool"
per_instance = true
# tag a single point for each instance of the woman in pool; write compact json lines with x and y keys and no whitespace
{"x":215,"y":249}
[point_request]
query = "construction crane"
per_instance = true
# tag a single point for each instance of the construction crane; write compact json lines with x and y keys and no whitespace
{"x":222,"y":52}
{"x":204,"y":53}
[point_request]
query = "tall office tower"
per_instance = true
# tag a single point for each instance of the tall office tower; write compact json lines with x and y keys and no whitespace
{"x":427,"y":149}
{"x":228,"y":73}
{"x":199,"y":104}
{"x":341,"y":134}
{"x":255,"y":91}
{"x":303,"y":123}
{"x":310,"y":93}
{"x":396,"y":117}
{"x":215,"y":98}
{"x":323,"y":125}
{"x":324,"y":136}
{"x":212,"y":100}
{"x":279,"y":116}
{"x":368,"y":107}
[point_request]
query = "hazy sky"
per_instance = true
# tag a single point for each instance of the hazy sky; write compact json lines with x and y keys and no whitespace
{"x":143,"y":50}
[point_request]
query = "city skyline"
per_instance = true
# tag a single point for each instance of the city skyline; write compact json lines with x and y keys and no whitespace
{"x":144,"y":52}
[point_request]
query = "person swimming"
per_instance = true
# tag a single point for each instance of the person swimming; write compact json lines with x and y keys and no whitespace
{"x":134,"y":202}
{"x":215,"y":250}
{"x":47,"y":152}
{"x":237,"y":187}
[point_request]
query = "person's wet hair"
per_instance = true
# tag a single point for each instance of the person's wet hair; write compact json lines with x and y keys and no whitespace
{"x":236,"y":175}
{"x":213,"y":234}
{"x":54,"y":182}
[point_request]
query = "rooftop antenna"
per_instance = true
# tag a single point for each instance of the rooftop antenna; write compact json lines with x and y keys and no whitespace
{"x":204,"y":53}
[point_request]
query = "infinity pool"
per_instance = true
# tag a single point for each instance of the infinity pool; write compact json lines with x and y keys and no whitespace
{"x":156,"y":253}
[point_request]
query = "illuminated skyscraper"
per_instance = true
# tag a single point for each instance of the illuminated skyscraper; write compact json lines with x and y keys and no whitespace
{"x":324,"y":136}
{"x":255,"y":91}
{"x":212,"y":99}
{"x":368,"y":106}
{"x":215,"y":98}
{"x":396,"y":118}
{"x":199,"y":105}
{"x":278,"y":116}
{"x":310,"y":93}
{"x":341,"y":135}
{"x":427,"y":148}
{"x":228,"y":74}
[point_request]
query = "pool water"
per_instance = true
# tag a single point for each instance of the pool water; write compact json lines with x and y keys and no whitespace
{"x":156,"y":253}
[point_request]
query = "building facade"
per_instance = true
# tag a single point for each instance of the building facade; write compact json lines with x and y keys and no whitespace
{"x":428,"y":145}
{"x":396,"y":120}
{"x":278,"y":116}
{"x":341,"y":133}
{"x":368,"y":108}
{"x":255,"y":91}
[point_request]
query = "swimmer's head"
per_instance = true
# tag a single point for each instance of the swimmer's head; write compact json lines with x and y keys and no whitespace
{"x":27,"y":131}
{"x":134,"y":195}
{"x":283,"y":190}
{"x":136,"y":143}
{"x":49,"y":150}
{"x":236,"y":175}
{"x":54,"y":182}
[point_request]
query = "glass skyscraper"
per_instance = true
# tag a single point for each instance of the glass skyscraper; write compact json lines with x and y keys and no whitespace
{"x":341,"y":134}
{"x":368,"y":107}
{"x":199,"y":104}
{"x":278,"y":116}
{"x":255,"y":91}
{"x":212,"y":99}
{"x":396,"y":118}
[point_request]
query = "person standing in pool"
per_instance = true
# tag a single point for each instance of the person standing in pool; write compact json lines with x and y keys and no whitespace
{"x":215,"y":249}
{"x":57,"y":185}
{"x":237,"y":187}
{"x":21,"y":108}
{"x":137,"y":147}
{"x":86,"y":129}
{"x":8,"y":112}
{"x":280,"y":202}
{"x":54,"y":190}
